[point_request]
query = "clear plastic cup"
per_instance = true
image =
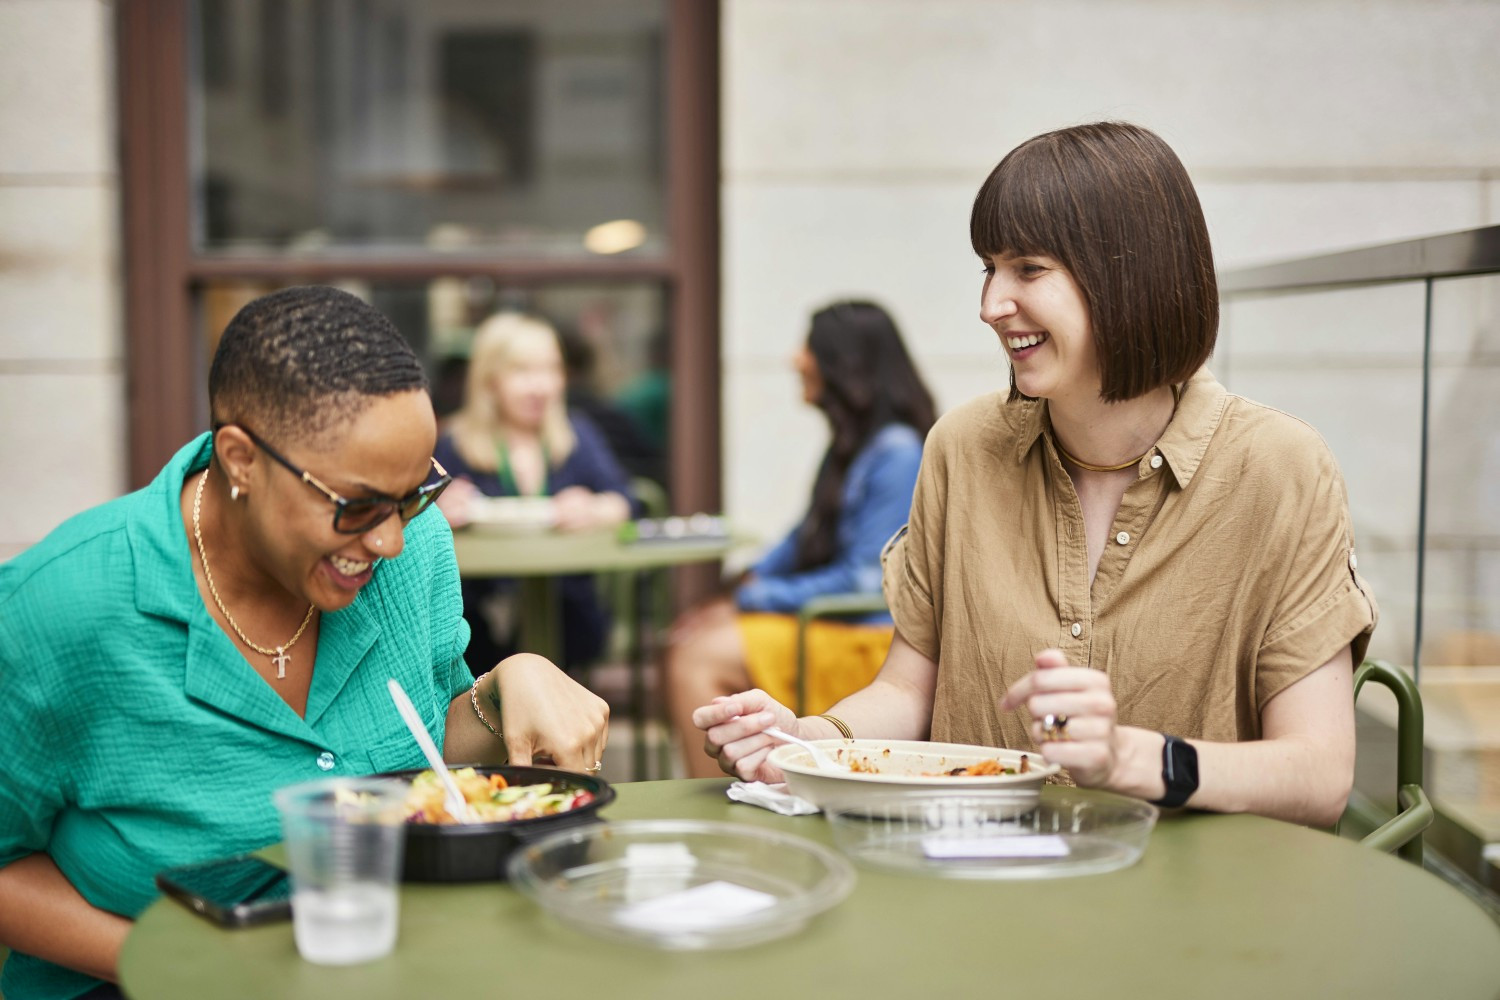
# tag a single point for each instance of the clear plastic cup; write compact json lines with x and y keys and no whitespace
{"x":343,"y":846}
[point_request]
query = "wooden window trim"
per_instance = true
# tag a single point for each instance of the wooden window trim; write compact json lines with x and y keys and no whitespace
{"x":162,"y":272}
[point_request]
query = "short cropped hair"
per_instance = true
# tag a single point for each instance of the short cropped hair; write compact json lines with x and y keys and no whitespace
{"x":297,"y":362}
{"x":1114,"y":205}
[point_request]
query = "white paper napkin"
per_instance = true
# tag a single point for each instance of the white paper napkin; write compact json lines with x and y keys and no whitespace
{"x":773,"y":797}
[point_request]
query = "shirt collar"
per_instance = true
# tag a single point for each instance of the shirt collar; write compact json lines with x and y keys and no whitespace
{"x":158,"y":537}
{"x":1200,"y":407}
{"x":1199,"y":410}
{"x":1032,"y":422}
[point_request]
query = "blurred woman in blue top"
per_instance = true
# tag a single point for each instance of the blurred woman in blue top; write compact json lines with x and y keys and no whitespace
{"x":855,"y":368}
{"x":516,"y":438}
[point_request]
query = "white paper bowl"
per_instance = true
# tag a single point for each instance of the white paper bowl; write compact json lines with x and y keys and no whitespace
{"x":511,"y":515}
{"x":905,"y":766}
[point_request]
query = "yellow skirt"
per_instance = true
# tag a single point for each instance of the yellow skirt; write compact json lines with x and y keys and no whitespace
{"x":841,"y":658}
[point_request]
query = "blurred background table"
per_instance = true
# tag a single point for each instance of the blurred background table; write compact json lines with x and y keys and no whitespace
{"x":537,"y":558}
{"x":1229,"y":907}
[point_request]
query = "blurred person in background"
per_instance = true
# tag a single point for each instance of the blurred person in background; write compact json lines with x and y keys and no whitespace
{"x":855,"y":368}
{"x":170,"y":658}
{"x":514,"y":437}
{"x":1118,"y":564}
{"x":628,"y":440}
{"x":648,"y":396}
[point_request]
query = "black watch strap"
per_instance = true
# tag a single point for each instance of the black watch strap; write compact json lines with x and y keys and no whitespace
{"x":1179,"y":772}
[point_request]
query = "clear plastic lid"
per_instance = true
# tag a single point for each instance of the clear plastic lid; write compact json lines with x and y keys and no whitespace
{"x":1068,"y":831}
{"x":681,"y":884}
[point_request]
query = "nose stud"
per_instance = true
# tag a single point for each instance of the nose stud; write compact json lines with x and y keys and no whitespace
{"x":380,"y":543}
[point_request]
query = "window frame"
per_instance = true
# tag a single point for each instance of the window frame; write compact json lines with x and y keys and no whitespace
{"x":162,"y":271}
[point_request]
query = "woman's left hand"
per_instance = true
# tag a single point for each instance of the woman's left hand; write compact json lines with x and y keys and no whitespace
{"x":1088,"y":744}
{"x":545,"y":713}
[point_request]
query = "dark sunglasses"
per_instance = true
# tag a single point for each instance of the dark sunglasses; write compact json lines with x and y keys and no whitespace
{"x":355,"y":517}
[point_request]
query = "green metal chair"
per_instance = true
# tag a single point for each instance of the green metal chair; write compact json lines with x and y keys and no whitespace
{"x":640,"y":603}
{"x":827,"y":606}
{"x":1403,"y":832}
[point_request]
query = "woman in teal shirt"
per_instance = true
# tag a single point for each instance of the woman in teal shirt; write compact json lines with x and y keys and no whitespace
{"x":170,"y":658}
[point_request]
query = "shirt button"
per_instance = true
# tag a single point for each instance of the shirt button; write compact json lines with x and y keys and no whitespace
{"x":325,"y":761}
{"x":1077,"y":629}
{"x":1123,"y":538}
{"x":1156,"y":461}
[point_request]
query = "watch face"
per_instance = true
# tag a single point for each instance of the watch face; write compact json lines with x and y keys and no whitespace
{"x":1184,"y":759}
{"x":1179,"y":771}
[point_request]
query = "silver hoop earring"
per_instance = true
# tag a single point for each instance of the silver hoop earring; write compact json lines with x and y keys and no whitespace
{"x":234,"y":492}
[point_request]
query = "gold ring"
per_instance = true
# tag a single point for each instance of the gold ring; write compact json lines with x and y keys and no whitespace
{"x":1054,"y":728}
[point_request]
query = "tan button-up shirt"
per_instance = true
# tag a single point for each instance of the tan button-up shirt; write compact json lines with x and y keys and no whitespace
{"x":1228,"y":574}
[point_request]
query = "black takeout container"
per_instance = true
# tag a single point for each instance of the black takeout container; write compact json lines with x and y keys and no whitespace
{"x":477,"y":852}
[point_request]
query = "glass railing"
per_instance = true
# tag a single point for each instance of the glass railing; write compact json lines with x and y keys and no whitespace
{"x":1393,"y":354}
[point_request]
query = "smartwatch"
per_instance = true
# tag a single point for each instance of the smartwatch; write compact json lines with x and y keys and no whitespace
{"x":1179,"y":772}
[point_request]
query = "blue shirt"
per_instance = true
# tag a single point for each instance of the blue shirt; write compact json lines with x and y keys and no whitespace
{"x":139,"y":738}
{"x":876,"y":502}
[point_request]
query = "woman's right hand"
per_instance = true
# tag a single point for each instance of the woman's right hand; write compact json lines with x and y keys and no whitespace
{"x":734,"y":733}
{"x":456,"y":502}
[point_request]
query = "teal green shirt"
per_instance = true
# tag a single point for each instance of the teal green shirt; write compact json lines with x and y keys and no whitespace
{"x":138,"y":737}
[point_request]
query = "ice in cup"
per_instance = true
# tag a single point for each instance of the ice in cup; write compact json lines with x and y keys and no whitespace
{"x":343,"y":846}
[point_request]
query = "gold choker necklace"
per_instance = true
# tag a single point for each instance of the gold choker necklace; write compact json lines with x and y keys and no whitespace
{"x":279,"y":655}
{"x":1099,"y":468}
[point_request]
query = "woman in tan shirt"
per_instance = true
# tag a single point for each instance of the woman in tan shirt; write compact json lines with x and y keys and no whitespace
{"x":1117,"y":563}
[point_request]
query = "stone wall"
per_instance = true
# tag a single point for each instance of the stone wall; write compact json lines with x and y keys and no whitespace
{"x":62,"y":411}
{"x":857,"y":132}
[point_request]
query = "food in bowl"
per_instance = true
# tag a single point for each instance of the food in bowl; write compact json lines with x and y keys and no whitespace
{"x":883,"y":767}
{"x":987,"y":768}
{"x":491,"y":798}
{"x":475,"y":852}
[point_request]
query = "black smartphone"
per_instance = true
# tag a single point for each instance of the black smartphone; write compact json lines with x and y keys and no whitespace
{"x":232,"y":892}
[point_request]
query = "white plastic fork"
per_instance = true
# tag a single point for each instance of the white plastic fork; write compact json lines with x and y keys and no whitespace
{"x":458,"y":808}
{"x":819,"y":755}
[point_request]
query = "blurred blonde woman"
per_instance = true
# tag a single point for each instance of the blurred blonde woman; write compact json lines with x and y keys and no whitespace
{"x":514,"y":437}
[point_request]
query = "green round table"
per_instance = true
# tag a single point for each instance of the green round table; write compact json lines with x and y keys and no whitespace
{"x":1219,"y":906}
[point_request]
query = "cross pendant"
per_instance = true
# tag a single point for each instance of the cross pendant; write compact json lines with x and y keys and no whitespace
{"x":281,"y":659}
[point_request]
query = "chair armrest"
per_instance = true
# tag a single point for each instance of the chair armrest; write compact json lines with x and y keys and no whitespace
{"x":1404,"y":831}
{"x":827,"y":606}
{"x":839,"y":604}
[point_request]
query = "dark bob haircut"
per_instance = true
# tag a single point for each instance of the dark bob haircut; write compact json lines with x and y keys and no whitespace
{"x":300,"y":361}
{"x":1113,"y":204}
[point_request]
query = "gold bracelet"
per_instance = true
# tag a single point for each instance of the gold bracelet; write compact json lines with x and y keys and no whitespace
{"x":840,"y":725}
{"x":474,"y":700}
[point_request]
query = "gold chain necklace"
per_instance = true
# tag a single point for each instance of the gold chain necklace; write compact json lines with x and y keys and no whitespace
{"x":1099,"y":468}
{"x":279,"y":655}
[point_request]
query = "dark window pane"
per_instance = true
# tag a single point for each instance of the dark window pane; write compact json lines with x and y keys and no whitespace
{"x":502,"y":127}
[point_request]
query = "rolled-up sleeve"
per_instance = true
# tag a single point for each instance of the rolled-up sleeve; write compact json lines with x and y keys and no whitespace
{"x":31,"y":787}
{"x":1324,"y":605}
{"x":911,"y":561}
